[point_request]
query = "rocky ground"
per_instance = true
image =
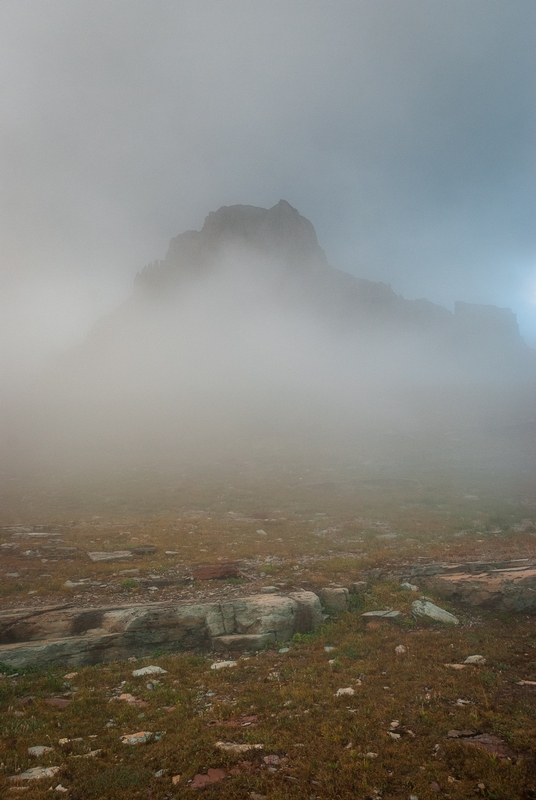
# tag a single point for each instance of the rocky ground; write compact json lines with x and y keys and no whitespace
{"x":365,"y":705}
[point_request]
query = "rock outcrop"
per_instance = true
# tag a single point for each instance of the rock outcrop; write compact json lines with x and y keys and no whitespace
{"x":504,"y":589}
{"x":499,"y":585}
{"x":72,"y":636}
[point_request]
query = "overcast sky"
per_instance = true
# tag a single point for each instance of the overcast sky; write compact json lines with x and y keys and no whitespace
{"x":403,"y":129}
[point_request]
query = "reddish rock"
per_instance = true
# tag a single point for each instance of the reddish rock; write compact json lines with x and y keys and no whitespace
{"x":511,"y":589}
{"x":492,"y":744}
{"x":212,"y":776}
{"x":207,"y":572}
{"x":58,"y":702}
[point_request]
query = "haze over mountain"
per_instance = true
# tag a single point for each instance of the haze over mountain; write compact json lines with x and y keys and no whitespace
{"x":245,"y":330}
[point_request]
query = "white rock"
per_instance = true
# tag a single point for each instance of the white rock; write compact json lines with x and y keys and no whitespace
{"x":39,"y":750}
{"x":400,"y":650}
{"x":223,"y":664}
{"x":60,"y":788}
{"x":394,"y":736}
{"x":151,"y":670}
{"x":328,"y":648}
{"x":409,"y":587}
{"x":231,"y":747}
{"x":35,"y":774}
{"x":341,"y":692}
{"x":424,"y":608}
{"x":475,"y":660}
{"x":261,"y":533}
{"x":382,"y":614}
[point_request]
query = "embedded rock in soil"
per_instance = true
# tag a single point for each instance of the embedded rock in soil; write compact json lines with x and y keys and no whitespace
{"x":509,"y":589}
{"x":117,"y":555}
{"x":209,"y":572}
{"x":384,"y":614}
{"x":424,"y":608}
{"x":71,"y":636}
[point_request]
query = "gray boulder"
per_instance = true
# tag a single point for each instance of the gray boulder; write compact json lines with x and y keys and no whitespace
{"x":337,"y":599}
{"x":424,"y":608}
{"x":71,"y":636}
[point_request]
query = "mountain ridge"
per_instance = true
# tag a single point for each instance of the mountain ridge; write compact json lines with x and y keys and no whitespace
{"x":288,"y":241}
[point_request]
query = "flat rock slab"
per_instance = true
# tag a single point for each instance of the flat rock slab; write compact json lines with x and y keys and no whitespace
{"x":116,"y":555}
{"x":510,"y":589}
{"x":424,"y":608}
{"x":74,"y":636}
{"x":383,"y":614}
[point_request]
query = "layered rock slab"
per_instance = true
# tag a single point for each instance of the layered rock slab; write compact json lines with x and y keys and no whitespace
{"x":78,"y":637}
{"x":510,"y":589}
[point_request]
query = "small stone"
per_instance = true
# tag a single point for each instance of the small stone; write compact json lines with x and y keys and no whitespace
{"x":348,"y":690}
{"x":475,"y":660}
{"x":213,"y":776}
{"x":371,"y":755}
{"x":90,"y":754}
{"x":137,"y":738}
{"x":39,"y":750}
{"x":60,"y":788}
{"x":409,"y":587}
{"x":284,"y":650}
{"x":261,"y":532}
{"x":232,"y":747}
{"x":223,"y":664}
{"x":58,"y":702}
{"x":175,"y":780}
{"x":400,"y":650}
{"x":35,"y":774}
{"x":151,"y":670}
{"x":117,"y":555}
{"x":329,"y":648}
{"x":269,"y":589}
{"x":381,"y":614}
{"x":395,"y":736}
{"x":70,"y":676}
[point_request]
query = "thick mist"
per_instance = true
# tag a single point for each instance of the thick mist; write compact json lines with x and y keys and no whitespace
{"x":244,"y":337}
